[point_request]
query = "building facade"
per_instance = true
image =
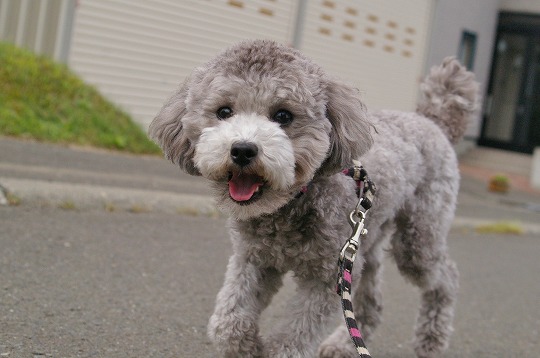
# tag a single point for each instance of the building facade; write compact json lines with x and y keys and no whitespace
{"x":136,"y":52}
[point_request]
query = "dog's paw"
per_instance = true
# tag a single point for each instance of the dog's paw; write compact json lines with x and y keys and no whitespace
{"x":285,"y":346}
{"x":337,"y":345}
{"x":332,"y":351}
{"x":429,"y":346}
{"x":235,"y":338}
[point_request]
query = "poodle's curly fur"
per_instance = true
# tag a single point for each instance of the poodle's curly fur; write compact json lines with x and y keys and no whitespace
{"x":261,"y":122}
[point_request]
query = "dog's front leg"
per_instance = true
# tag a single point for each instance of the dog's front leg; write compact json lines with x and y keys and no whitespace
{"x":246,"y":292}
{"x":310,"y":311}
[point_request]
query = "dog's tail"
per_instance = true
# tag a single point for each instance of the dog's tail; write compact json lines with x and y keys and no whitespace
{"x":449,"y":97}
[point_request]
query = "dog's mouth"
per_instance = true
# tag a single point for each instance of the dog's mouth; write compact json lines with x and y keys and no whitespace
{"x":245,"y":188}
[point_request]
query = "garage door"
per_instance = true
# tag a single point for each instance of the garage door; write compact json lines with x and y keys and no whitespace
{"x":136,"y":52}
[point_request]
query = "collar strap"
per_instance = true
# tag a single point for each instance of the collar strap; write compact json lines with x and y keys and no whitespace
{"x":365,"y":188}
{"x":301,"y":192}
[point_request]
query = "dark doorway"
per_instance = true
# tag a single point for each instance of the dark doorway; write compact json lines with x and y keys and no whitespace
{"x":512,"y":110}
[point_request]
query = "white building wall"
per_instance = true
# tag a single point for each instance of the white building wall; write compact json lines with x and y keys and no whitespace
{"x":136,"y":52}
{"x":532,"y":6}
{"x":451,"y":18}
{"x":43,"y":26}
{"x":378,"y":46}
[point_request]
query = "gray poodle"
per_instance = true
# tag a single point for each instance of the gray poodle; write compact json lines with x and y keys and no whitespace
{"x":272,"y":132}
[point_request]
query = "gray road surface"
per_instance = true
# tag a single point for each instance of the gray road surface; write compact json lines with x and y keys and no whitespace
{"x":99,"y":284}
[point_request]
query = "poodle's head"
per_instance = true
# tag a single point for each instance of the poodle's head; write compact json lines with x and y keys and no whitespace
{"x":261,"y":121}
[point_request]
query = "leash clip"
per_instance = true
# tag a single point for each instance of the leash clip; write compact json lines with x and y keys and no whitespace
{"x":349,"y":249}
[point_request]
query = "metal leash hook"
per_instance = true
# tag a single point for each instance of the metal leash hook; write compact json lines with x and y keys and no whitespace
{"x":356,"y":220}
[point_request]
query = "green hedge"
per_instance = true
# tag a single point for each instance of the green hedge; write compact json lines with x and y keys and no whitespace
{"x":44,"y":100}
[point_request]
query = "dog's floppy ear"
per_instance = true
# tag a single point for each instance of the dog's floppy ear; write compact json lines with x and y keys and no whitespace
{"x":350,"y":136}
{"x":166,"y":131}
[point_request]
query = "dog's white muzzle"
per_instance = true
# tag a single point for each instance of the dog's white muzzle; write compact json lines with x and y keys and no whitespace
{"x":274,"y":161}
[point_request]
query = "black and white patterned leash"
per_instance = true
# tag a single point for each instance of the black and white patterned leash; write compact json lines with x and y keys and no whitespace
{"x":365,"y":191}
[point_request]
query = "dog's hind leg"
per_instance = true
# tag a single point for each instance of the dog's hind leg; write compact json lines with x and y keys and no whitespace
{"x":420,"y":251}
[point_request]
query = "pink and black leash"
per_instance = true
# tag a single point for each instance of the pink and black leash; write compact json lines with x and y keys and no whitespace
{"x":365,"y":192}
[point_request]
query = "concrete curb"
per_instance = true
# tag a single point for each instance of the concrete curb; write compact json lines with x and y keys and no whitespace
{"x":3,"y":196}
{"x":94,"y":197}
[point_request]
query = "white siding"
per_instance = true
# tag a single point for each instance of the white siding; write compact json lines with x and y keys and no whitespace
{"x":532,"y":6}
{"x":136,"y":52}
{"x":41,"y":26}
{"x":378,"y":46}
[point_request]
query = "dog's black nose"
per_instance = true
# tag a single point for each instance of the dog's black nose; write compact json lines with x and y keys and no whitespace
{"x":242,"y":153}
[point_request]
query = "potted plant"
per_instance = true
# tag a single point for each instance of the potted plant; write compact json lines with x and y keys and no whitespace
{"x":499,"y":183}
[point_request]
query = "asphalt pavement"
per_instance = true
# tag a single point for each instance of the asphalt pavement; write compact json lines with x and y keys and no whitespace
{"x":102,"y":256}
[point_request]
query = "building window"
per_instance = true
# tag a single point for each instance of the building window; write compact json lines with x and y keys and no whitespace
{"x":467,"y":49}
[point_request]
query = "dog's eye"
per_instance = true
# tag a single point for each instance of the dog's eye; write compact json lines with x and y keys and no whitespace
{"x":224,"y":112}
{"x":283,"y":117}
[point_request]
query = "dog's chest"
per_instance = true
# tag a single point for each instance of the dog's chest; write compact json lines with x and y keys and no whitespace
{"x":308,"y":247}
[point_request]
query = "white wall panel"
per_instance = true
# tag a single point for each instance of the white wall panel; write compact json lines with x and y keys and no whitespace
{"x":378,"y":46}
{"x":136,"y":52}
{"x":43,"y":26}
{"x":531,"y":6}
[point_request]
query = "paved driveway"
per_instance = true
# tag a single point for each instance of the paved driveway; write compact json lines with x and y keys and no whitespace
{"x":100,"y":284}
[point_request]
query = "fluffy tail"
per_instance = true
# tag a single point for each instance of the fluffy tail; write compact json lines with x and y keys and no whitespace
{"x":449,"y":97}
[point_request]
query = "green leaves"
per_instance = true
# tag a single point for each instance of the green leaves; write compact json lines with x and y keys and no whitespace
{"x":44,"y":100}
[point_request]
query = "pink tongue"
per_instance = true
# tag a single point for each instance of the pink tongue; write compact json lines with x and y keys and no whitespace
{"x":243,"y":186}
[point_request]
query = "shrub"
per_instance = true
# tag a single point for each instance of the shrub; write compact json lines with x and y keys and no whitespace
{"x":44,"y":100}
